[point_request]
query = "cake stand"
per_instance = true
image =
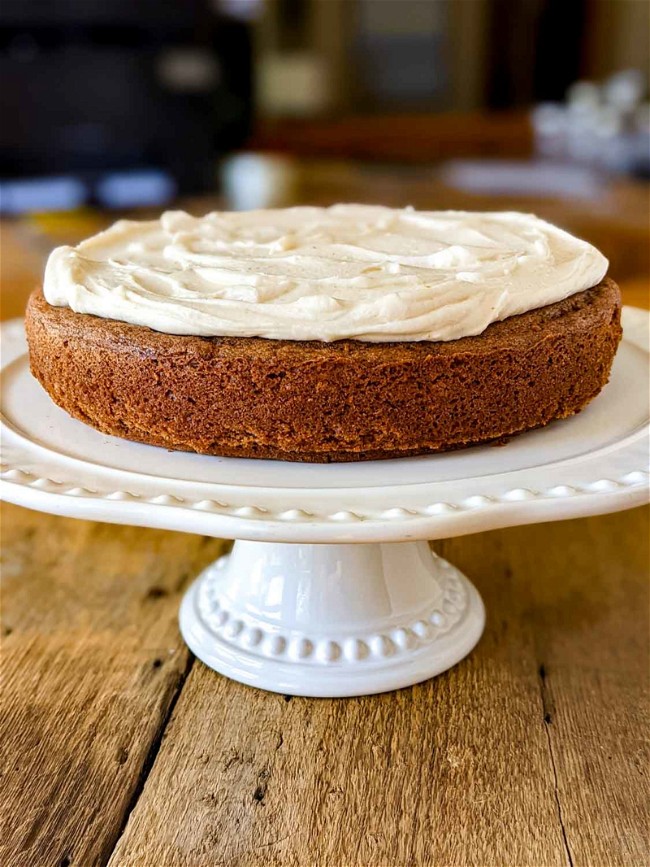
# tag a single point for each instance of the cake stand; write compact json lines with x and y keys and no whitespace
{"x":331,"y":589}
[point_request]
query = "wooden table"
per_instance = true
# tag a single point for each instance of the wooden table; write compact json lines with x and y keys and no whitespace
{"x":119,"y":748}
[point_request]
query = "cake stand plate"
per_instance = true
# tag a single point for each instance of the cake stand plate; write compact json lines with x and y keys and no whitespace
{"x":331,"y":589}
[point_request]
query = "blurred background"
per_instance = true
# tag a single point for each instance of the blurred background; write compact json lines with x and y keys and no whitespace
{"x":113,"y":107}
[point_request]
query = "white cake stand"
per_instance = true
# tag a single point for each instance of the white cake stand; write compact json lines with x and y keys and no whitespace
{"x":330,"y":591}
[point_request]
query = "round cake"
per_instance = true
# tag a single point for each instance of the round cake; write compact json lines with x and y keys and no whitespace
{"x":340,"y":334}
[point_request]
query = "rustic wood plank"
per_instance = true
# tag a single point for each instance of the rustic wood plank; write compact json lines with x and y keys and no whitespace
{"x":92,"y":662}
{"x":589,"y":604}
{"x":492,"y":763}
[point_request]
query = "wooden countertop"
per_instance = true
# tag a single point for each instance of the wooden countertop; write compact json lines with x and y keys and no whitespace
{"x":119,"y":748}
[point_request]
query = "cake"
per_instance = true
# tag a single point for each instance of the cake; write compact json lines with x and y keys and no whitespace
{"x":340,"y":334}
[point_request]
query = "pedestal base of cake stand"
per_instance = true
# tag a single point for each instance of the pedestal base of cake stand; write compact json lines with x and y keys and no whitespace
{"x":331,"y":620}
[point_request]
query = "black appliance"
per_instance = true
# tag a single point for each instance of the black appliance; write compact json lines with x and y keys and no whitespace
{"x":100,"y":88}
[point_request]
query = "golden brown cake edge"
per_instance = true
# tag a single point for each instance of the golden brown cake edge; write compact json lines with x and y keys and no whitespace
{"x":310,"y":401}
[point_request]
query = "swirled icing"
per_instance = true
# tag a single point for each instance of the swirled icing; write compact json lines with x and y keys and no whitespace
{"x":350,"y":271}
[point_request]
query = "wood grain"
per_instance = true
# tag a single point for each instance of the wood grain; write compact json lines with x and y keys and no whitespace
{"x":91,"y":662}
{"x":527,"y":753}
{"x":592,"y":635}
